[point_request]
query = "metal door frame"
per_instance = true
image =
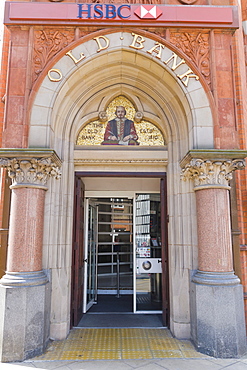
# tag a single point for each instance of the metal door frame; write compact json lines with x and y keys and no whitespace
{"x":87,"y":305}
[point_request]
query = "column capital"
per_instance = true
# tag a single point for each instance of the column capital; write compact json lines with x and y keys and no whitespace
{"x":211,"y":168}
{"x":30,"y":167}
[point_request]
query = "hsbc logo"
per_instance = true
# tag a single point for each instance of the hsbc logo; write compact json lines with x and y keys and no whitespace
{"x":112,"y":11}
{"x":148,"y":12}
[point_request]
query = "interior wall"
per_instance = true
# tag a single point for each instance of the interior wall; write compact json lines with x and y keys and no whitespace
{"x":121,"y":184}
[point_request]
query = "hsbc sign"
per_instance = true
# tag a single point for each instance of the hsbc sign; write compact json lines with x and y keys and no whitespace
{"x":123,"y":14}
{"x":111,"y":11}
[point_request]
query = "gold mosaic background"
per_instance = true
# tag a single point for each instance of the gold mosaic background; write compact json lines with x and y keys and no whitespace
{"x":93,"y":132}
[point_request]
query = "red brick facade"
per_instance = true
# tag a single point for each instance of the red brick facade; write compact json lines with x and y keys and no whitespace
{"x":219,"y":54}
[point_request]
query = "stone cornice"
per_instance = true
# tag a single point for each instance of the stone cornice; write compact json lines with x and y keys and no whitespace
{"x":115,"y":161}
{"x":213,"y":154}
{"x":30,"y":167}
{"x":212,"y":168}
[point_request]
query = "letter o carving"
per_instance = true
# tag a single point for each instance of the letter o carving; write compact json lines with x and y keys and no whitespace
{"x":188,"y":2}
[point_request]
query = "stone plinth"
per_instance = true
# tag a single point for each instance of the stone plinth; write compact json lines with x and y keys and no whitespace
{"x":24,"y":325}
{"x":217,"y":319}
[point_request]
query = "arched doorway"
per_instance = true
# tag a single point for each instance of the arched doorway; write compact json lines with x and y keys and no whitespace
{"x":68,"y":99}
{"x":122,"y":231}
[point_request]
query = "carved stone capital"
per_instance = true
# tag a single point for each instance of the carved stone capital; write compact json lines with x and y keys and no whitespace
{"x":211,"y":172}
{"x":28,"y":168}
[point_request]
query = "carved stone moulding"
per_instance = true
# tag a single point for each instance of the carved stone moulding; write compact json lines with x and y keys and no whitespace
{"x":30,"y":167}
{"x":211,"y":168}
{"x":188,"y":2}
{"x":119,"y":161}
{"x":47,"y":43}
{"x":196,"y":46}
{"x":17,"y":279}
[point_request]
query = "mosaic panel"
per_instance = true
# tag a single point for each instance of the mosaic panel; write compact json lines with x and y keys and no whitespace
{"x":93,"y":132}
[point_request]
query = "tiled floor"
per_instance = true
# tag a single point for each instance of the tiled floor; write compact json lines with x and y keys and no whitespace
{"x":117,"y":344}
{"x":124,"y":349}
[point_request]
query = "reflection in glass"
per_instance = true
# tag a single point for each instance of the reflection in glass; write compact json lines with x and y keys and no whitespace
{"x":148,"y":245}
{"x":115,"y":242}
{"x":91,"y":258}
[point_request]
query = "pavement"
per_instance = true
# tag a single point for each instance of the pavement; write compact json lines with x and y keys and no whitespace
{"x":151,"y":364}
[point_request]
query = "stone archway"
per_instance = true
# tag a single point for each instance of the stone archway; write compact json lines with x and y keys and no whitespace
{"x":73,"y":93}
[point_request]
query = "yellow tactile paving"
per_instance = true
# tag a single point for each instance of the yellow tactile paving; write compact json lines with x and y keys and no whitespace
{"x":117,"y":344}
{"x":165,"y":354}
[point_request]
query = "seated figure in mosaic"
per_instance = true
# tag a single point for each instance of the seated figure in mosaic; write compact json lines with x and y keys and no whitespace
{"x":120,"y":130}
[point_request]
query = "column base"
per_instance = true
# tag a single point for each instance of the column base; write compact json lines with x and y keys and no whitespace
{"x":215,"y":278}
{"x":24,"y":278}
{"x":24,"y":321}
{"x":217,"y":316}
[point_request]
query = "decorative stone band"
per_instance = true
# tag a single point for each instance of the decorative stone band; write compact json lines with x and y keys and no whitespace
{"x":215,"y":278}
{"x":30,"y":168}
{"x":212,"y":168}
{"x":22,"y":279}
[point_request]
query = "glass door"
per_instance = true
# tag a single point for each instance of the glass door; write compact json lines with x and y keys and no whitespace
{"x":90,"y":261}
{"x":148,"y":262}
{"x":115,"y":246}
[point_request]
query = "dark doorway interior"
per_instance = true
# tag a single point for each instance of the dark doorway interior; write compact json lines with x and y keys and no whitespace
{"x":111,"y":304}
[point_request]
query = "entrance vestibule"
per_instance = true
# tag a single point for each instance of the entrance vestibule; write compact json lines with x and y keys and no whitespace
{"x":123,"y":252}
{"x":124,"y":245}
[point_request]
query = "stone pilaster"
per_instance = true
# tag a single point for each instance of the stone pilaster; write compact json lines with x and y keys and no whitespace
{"x":217,"y":310}
{"x":25,"y":288}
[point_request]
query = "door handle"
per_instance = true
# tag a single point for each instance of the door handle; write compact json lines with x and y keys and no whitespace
{"x":159,"y":261}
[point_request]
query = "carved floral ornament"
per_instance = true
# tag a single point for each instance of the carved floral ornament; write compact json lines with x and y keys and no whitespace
{"x":47,"y":43}
{"x":33,"y":172}
{"x":196,"y":46}
{"x":211,"y":173}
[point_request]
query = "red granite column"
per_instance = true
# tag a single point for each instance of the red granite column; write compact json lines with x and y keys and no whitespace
{"x":24,"y":259}
{"x":214,"y":230}
{"x":25,"y":292}
{"x":26,"y":229}
{"x":211,"y":184}
{"x":216,"y":296}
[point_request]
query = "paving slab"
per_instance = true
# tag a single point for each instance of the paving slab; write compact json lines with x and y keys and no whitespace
{"x":154,"y":364}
